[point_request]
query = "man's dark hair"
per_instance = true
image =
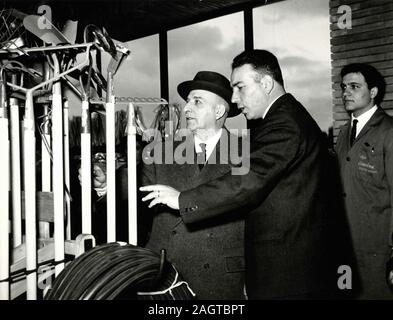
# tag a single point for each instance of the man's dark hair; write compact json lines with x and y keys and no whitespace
{"x":371,"y":75}
{"x":262,"y":60}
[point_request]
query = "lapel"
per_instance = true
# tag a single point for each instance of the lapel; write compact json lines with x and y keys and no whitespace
{"x":186,"y":171}
{"x":375,"y":120}
{"x":346,"y":129}
{"x":346,"y":132}
{"x":191,"y":176}
{"x":255,"y":125}
{"x":214,"y":157}
{"x":283,"y":100}
{"x":218,"y":162}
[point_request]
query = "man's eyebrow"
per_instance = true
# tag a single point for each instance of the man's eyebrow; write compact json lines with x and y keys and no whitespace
{"x":195,"y":97}
{"x":235,"y":83}
{"x":353,"y":82}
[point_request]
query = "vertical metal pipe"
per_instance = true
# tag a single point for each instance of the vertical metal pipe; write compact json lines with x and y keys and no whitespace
{"x":30,"y":197}
{"x":99,"y":68}
{"x":46,"y":177}
{"x":28,"y":138}
{"x":15,"y":171}
{"x":169,"y":132}
{"x":86,"y":167}
{"x":58,"y":162}
{"x":4,"y":197}
{"x":132,"y":180}
{"x":110,"y":161}
{"x":67,"y":168}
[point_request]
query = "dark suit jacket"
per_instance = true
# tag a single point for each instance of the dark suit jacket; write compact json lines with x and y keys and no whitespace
{"x":208,"y":255}
{"x":286,"y":190}
{"x":367,"y":177}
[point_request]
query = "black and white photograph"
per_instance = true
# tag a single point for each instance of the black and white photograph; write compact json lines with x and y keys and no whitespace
{"x":213,"y":152}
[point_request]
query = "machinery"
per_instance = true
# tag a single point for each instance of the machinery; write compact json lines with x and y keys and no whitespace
{"x":36,"y":65}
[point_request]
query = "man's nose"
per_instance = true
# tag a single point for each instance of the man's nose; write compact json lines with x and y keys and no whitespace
{"x":346,"y":92}
{"x":186,"y":107}
{"x":235,"y":97}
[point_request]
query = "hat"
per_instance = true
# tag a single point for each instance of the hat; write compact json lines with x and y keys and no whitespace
{"x":213,"y":82}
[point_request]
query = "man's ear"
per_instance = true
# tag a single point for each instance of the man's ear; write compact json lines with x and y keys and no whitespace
{"x":220,"y":110}
{"x":268,"y":83}
{"x":373,"y":92}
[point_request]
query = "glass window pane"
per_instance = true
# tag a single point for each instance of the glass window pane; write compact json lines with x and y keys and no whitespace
{"x":297,"y":32}
{"x":139,"y":75}
{"x":210,"y":45}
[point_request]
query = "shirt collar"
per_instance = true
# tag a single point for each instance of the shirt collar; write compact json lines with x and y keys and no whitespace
{"x":269,"y":106}
{"x":210,"y":143}
{"x":363,"y":119}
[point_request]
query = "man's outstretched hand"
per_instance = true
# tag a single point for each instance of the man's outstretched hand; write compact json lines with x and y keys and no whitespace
{"x":161,"y":194}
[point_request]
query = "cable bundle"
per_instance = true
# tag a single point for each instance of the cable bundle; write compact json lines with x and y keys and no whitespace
{"x":115,"y":271}
{"x":172,"y":288}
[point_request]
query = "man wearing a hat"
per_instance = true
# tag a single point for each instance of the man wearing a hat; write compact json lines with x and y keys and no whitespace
{"x":208,"y":255}
{"x":290,"y":212}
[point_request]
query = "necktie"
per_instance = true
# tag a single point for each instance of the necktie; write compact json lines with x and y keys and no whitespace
{"x":201,"y":156}
{"x":353,"y":131}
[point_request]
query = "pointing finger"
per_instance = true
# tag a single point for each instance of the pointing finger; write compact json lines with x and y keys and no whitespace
{"x":154,"y":202}
{"x":149,"y":196}
{"x":153,"y":187}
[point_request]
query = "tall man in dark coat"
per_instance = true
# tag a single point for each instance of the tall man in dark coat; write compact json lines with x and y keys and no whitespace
{"x":284,"y":196}
{"x":208,"y":255}
{"x":365,"y":153}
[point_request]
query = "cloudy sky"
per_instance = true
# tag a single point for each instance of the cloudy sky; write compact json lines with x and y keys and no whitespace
{"x":297,"y":31}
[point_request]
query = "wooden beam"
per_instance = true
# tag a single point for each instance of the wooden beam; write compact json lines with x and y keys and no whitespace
{"x":362,"y":44}
{"x":353,"y":38}
{"x":356,"y":4}
{"x":164,"y":83}
{"x":248,"y":30}
{"x":380,"y":25}
{"x":335,"y":15}
{"x":384,"y":15}
{"x":199,"y":15}
{"x":388,"y":56}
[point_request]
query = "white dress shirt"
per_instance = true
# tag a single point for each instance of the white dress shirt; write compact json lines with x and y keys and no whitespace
{"x":363,"y":119}
{"x":210,"y":143}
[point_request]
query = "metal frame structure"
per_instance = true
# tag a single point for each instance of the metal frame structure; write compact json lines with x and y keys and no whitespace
{"x":24,"y":253}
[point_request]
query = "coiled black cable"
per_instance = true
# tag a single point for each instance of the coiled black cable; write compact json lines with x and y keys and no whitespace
{"x":114,"y":271}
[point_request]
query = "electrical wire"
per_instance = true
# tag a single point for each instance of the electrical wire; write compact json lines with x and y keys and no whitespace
{"x":114,"y":271}
{"x":47,"y":146}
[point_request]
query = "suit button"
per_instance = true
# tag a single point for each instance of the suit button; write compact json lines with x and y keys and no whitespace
{"x":206,"y":266}
{"x":348,"y":159}
{"x":344,"y":194}
{"x":174,"y":232}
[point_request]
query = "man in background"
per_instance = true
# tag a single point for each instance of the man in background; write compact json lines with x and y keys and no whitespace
{"x":365,"y":154}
